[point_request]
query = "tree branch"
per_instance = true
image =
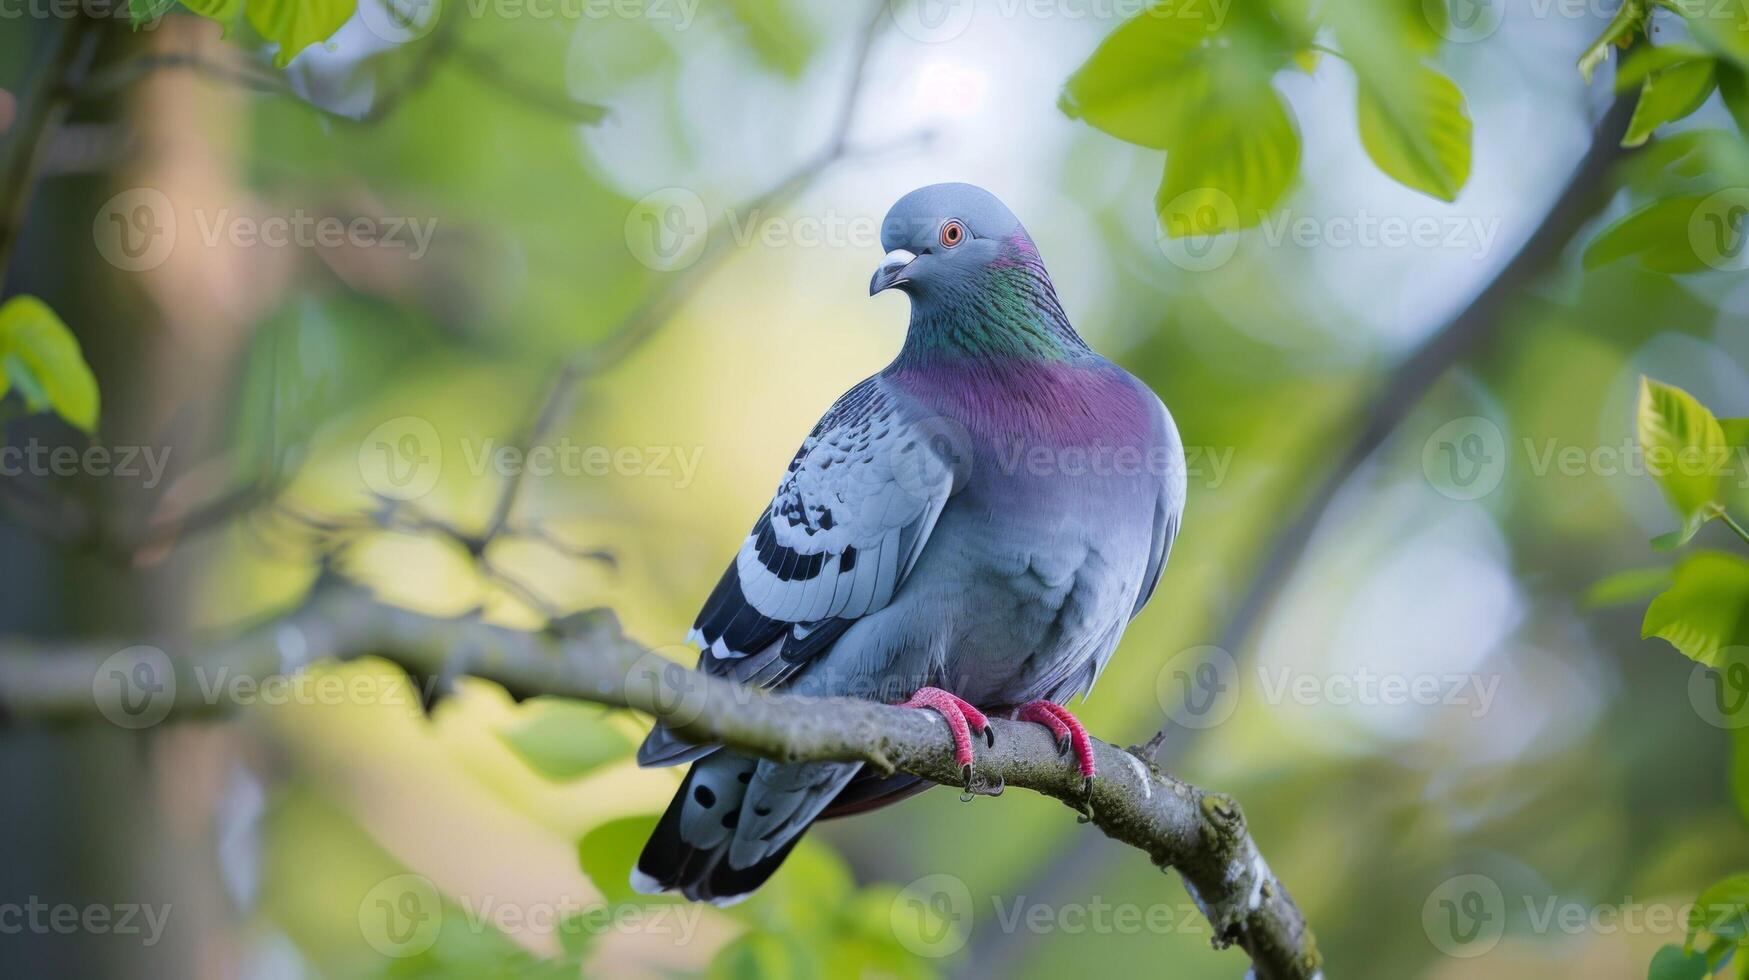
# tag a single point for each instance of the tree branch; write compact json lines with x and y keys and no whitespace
{"x":1200,"y":834}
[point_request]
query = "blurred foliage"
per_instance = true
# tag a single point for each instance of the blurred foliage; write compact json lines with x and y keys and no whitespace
{"x":1594,"y":779}
{"x":43,"y":364}
{"x":1199,"y":87}
{"x":1705,"y":614}
{"x":565,"y":740}
{"x":289,"y":25}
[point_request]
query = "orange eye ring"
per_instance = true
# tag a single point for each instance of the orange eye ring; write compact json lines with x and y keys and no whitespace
{"x":952,"y":233}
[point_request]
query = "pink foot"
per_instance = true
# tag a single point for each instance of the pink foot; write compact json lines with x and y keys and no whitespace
{"x":962,"y":721}
{"x":1068,"y":730}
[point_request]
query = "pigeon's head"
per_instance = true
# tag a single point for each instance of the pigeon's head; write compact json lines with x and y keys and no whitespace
{"x":946,"y":239}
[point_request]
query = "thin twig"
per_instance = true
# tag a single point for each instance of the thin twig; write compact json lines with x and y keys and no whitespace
{"x":442,"y":46}
{"x":1731,"y":523}
{"x":68,"y":54}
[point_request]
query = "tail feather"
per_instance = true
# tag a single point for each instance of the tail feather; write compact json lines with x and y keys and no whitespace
{"x":782,"y":801}
{"x":701,"y":847}
{"x":870,"y":791}
{"x":663,"y":748}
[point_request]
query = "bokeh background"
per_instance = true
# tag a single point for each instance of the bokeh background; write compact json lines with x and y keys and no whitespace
{"x":1459,"y":763}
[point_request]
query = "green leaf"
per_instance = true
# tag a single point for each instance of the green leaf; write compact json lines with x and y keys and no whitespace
{"x":143,"y":12}
{"x":1668,"y":541}
{"x":1235,"y":166}
{"x":1721,"y":25}
{"x":1629,"y":19}
{"x":225,"y":12}
{"x":778,"y":37}
{"x":1673,"y":963}
{"x":1644,"y":62}
{"x":296,"y":24}
{"x":1705,"y":612}
{"x":1669,"y":94}
{"x":1628,"y":586}
{"x":1657,"y":235}
{"x":1734,"y":92}
{"x":1685,"y":450}
{"x":1419,"y":133}
{"x":1136,"y":85}
{"x":564,"y":740}
{"x":608,"y":853}
{"x":1688,"y":162}
{"x":42,"y":357}
{"x":15,"y":373}
{"x":1417,"y":22}
{"x":1717,"y":952}
{"x":1722,"y":911}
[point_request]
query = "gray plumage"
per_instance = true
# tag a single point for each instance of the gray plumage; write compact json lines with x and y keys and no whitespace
{"x":985,"y":515}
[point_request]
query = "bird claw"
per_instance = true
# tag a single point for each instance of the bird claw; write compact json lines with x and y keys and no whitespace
{"x":1070,"y":734}
{"x":962,"y":720}
{"x":1084,"y":813}
{"x":981,"y":786}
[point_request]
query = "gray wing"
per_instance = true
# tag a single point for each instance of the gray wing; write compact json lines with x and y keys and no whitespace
{"x":1168,"y":508}
{"x":849,"y":519}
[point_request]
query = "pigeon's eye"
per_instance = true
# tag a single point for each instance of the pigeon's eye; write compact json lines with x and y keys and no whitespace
{"x":952,"y":233}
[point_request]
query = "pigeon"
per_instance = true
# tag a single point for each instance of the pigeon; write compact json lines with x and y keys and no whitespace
{"x":969,"y":532}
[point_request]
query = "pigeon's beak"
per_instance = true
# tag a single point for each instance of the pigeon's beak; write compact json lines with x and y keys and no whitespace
{"x":892,"y":270}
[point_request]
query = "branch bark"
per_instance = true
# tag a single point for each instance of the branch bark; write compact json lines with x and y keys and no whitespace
{"x":1178,"y":826}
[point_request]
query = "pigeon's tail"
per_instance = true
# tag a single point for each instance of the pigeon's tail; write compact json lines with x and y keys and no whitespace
{"x":731,"y":824}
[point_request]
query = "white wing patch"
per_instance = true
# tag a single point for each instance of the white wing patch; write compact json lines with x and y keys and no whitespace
{"x":848,"y":520}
